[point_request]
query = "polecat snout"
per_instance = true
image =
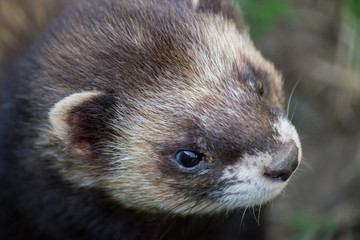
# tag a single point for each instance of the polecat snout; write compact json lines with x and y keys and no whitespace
{"x":163,"y":107}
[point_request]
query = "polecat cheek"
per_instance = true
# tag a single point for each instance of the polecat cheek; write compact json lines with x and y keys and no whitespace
{"x":244,"y":182}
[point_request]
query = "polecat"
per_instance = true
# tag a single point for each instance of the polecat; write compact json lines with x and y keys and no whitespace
{"x":142,"y":119}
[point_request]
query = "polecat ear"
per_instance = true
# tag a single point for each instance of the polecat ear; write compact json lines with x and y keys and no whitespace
{"x":80,"y":121}
{"x":209,"y":5}
{"x":194,"y":3}
{"x":221,"y":7}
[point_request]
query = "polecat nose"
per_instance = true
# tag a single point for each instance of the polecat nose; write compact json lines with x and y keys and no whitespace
{"x":284,"y":164}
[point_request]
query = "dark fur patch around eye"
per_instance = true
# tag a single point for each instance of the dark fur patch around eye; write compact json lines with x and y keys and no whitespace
{"x":254,"y":75}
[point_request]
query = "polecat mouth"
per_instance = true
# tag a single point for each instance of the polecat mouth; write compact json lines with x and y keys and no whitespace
{"x":258,"y":178}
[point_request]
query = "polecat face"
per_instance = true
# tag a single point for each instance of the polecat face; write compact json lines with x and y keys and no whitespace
{"x":175,"y":113}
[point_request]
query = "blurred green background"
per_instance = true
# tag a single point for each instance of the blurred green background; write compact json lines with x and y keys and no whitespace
{"x":316,"y":43}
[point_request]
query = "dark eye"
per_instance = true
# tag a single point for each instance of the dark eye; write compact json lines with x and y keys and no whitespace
{"x":259,"y":87}
{"x":188,"y":159}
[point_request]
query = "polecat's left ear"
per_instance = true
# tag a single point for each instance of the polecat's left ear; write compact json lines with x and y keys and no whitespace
{"x":80,"y":121}
{"x":221,"y":7}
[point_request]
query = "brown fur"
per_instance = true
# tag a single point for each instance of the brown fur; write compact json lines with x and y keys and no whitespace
{"x":112,"y":90}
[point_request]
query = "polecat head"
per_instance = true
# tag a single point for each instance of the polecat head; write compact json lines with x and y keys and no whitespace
{"x":165,"y":106}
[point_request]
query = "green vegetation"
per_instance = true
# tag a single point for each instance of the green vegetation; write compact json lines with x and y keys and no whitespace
{"x":312,"y":226}
{"x":351,"y":18}
{"x":354,"y":5}
{"x":261,"y":14}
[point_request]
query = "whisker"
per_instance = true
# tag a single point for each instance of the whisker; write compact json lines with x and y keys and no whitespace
{"x":216,"y":208}
{"x":243,"y":216}
{"x":302,"y":120}
{"x":259,"y":215}
{"x":199,"y":201}
{"x":307,"y":165}
{"x":306,"y":137}
{"x":218,"y":205}
{"x":253,"y":212}
{"x":290,"y":97}
{"x":293,"y":186}
{"x":300,"y":169}
{"x":292,"y":115}
{"x":271,"y":204}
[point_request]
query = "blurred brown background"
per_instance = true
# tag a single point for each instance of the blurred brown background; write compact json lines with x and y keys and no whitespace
{"x":316,"y":45}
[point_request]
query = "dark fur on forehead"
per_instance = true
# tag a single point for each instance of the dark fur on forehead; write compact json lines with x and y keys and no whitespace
{"x":249,"y":72}
{"x":115,"y":53}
